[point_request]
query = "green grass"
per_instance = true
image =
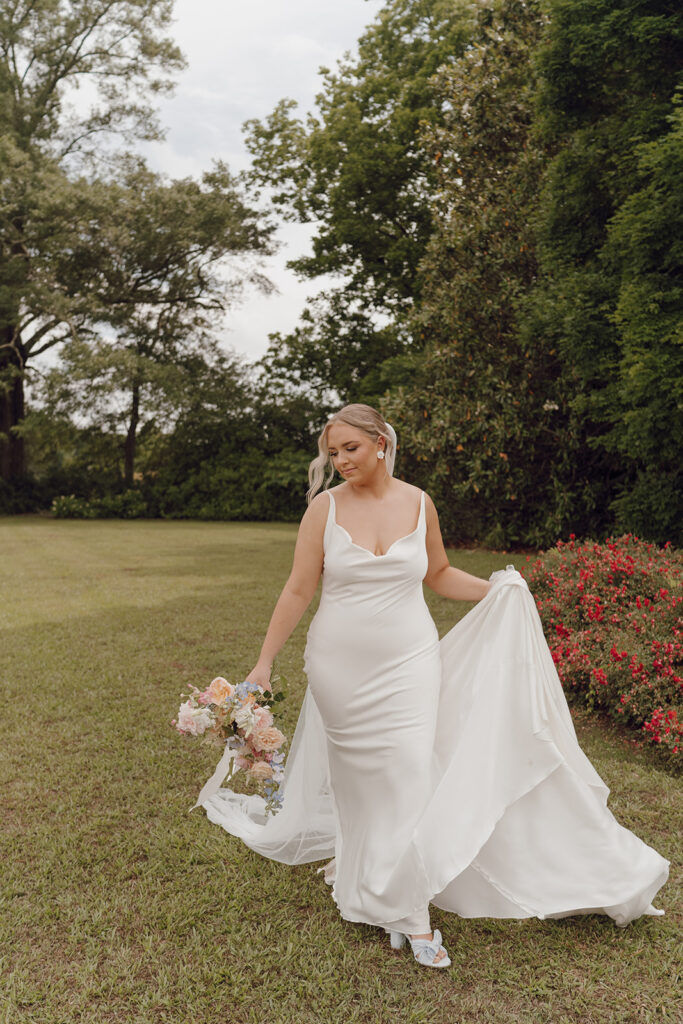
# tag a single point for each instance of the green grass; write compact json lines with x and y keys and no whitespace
{"x":117,"y":905}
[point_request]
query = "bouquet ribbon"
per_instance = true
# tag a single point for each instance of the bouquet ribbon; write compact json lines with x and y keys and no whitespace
{"x":214,"y":783}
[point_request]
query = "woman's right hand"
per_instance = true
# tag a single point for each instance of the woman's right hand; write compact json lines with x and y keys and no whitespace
{"x":260,"y":674}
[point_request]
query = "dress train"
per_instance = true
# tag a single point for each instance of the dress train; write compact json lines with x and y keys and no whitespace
{"x":517,"y":824}
{"x":440,"y":771}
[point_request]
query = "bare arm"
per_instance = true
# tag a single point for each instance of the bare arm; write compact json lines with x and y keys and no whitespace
{"x":299,"y":589}
{"x":442,"y":577}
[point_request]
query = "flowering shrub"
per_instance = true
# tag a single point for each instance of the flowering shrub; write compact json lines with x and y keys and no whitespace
{"x":612,"y":618}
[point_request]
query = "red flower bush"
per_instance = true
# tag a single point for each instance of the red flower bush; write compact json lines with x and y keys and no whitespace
{"x":612,"y":615}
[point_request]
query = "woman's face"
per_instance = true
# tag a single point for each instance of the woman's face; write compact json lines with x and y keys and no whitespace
{"x":353,"y":453}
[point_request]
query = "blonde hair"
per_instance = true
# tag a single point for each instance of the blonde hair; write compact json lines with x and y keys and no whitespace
{"x":364,"y":418}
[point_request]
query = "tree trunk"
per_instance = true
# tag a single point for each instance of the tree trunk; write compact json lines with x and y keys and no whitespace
{"x":12,"y":455}
{"x":131,"y":438}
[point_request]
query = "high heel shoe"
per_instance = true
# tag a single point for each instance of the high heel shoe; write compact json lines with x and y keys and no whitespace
{"x":424,"y":950}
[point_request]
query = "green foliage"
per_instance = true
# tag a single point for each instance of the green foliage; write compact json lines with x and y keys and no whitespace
{"x":126,"y":505}
{"x":243,"y":458}
{"x":483,"y":421}
{"x":47,"y":49}
{"x":149,"y":261}
{"x":49,"y":46}
{"x":644,"y":398}
{"x":497,"y":188}
{"x":549,"y":395}
{"x":66,"y":458}
{"x":357,"y":171}
{"x":609,"y":223}
{"x":216,"y":444}
{"x":336,"y":350}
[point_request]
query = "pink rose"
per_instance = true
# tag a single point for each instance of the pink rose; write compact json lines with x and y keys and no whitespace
{"x":263,"y":719}
{"x":192,"y":720}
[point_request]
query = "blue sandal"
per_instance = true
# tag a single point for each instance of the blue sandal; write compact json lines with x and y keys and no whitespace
{"x":424,"y":950}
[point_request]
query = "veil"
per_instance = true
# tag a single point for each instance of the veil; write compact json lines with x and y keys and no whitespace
{"x":391,"y":455}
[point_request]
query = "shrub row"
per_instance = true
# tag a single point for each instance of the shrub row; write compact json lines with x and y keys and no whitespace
{"x":612,"y":617}
{"x":125,"y":505}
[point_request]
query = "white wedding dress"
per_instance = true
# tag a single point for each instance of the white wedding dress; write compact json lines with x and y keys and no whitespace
{"x":440,"y":771}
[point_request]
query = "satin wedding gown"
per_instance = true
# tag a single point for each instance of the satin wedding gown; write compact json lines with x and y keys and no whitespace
{"x":440,"y":771}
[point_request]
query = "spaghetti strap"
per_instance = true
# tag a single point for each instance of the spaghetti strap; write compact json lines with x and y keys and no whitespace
{"x":331,"y":520}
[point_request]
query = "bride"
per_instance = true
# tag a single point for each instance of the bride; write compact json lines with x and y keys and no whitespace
{"x":444,"y":772}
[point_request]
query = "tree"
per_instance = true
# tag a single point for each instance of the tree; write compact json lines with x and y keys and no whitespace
{"x":238,"y":451}
{"x":48,"y":48}
{"x":357,"y":171}
{"x":483,"y":423}
{"x":643,"y":401}
{"x":336,"y":350}
{"x":149,"y":261}
{"x":610,"y":299}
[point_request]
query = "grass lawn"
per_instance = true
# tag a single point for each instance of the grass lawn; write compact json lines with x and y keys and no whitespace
{"x":117,"y":905}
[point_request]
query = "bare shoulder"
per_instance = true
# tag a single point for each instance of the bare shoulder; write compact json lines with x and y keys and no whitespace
{"x":309,"y":541}
{"x":412,"y":495}
{"x":431,"y":514}
{"x":429,"y":504}
{"x":405,"y":490}
{"x":316,"y":513}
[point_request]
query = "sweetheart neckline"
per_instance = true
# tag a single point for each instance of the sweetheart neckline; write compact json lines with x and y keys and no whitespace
{"x":367,"y":550}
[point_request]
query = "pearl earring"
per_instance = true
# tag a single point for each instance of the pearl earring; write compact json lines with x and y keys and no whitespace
{"x":380,"y":454}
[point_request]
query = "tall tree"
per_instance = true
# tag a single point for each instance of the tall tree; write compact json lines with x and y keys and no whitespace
{"x":643,"y":401}
{"x":356,"y":170}
{"x":608,"y":79}
{"x":483,"y":421}
{"x":48,"y":48}
{"x":149,"y":261}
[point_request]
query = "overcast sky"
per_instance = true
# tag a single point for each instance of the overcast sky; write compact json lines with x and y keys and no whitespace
{"x":243,"y":56}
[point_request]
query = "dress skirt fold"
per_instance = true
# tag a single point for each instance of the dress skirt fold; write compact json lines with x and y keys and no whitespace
{"x":444,"y":772}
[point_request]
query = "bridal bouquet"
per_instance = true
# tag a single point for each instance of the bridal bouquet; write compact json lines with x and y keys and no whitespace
{"x":241,"y":717}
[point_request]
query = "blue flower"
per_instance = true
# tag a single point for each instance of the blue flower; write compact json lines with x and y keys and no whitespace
{"x":243,"y":688}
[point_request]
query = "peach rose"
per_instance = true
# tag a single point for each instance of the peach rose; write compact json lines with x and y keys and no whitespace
{"x":267,"y":739}
{"x":261,"y":771}
{"x":219,"y":690}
